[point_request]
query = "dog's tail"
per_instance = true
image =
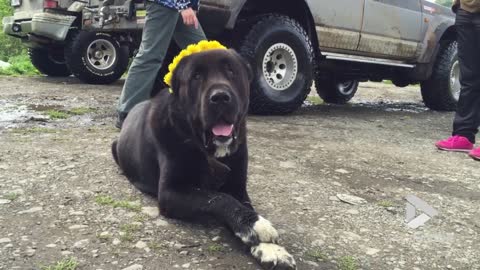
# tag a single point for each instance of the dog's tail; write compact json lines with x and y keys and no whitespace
{"x":114,"y":151}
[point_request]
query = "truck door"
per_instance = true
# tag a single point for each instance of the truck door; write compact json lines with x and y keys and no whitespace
{"x":338,"y":23}
{"x":391,"y":28}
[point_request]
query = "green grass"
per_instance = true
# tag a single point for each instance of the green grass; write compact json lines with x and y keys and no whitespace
{"x":317,"y":255}
{"x":128,"y":231}
{"x":56,"y":114}
{"x":348,"y":263}
{"x":11,"y":196}
{"x":385,"y":203}
{"x":19,"y":65}
{"x":65,"y":264}
{"x":216,"y":248}
{"x":107,"y":200}
{"x":315,"y":100}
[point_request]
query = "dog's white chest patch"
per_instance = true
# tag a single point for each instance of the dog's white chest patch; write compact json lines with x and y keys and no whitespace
{"x":222,"y":149}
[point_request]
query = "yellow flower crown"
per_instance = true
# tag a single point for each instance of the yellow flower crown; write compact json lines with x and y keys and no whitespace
{"x":202,"y":46}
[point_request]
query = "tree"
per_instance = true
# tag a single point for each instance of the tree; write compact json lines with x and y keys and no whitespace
{"x":447,"y":3}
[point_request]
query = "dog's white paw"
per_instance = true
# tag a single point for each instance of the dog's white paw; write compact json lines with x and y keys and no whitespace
{"x":265,"y":231}
{"x":272,"y":256}
{"x":262,"y":231}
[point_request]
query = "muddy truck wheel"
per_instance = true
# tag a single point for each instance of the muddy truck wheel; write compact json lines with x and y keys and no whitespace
{"x":50,"y":62}
{"x":281,"y":55}
{"x":442,"y":90}
{"x":96,"y":58}
{"x":335,"y":91}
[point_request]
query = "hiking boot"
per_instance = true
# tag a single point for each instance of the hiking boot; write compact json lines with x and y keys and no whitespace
{"x":455,"y":143}
{"x":475,"y":153}
{"x":120,"y":118}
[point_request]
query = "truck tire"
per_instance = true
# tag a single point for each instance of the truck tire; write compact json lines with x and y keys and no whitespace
{"x":281,"y":55}
{"x":336,"y":91}
{"x":442,"y":90}
{"x":50,"y":62}
{"x":96,"y":58}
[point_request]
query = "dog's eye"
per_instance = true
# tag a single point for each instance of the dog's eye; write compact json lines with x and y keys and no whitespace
{"x":197,"y":76}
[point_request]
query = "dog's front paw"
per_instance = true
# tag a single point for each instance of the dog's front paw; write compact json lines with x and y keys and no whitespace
{"x":262,"y":231}
{"x":272,"y":256}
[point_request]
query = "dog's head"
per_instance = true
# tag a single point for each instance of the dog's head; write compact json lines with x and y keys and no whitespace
{"x":212,"y":89}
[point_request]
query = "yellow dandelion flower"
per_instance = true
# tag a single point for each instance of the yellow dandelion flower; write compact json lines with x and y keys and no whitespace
{"x":201,"y":46}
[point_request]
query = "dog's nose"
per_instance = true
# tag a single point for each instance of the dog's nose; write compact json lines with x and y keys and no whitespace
{"x":220,"y":96}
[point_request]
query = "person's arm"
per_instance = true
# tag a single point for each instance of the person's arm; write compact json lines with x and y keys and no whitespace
{"x":188,"y":14}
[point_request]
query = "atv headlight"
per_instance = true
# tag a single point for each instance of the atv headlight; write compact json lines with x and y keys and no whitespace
{"x":16,"y":3}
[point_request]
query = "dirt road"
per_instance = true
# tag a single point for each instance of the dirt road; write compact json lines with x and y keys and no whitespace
{"x":62,"y":198}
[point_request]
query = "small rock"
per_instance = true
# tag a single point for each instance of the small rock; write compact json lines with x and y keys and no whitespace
{"x":4,"y":201}
{"x":353,"y":211}
{"x":152,"y":212}
{"x":31,"y":210}
{"x":134,"y":267}
{"x":8,"y":246}
{"x":77,"y":227}
{"x":216,"y":238}
{"x":372,"y":251}
{"x":51,"y":245}
{"x":116,"y":241}
{"x":141,"y":245}
{"x":81,"y":244}
{"x":160,"y":223}
{"x":350,"y":199}
{"x":30,"y":252}
{"x":77,"y":213}
{"x":4,"y":64}
{"x":287,"y":164}
{"x":184,"y":252}
{"x":342,"y":171}
{"x":5,"y":240}
{"x":333,"y":198}
{"x":66,"y":253}
{"x":187,"y":265}
{"x":318,"y":243}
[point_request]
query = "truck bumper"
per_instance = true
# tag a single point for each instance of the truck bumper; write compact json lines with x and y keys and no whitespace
{"x":47,"y":25}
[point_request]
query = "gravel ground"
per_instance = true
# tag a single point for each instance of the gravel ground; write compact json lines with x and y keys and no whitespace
{"x":63,"y":201}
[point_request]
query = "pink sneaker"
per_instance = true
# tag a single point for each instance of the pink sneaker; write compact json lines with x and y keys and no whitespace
{"x":475,"y":153}
{"x":455,"y":143}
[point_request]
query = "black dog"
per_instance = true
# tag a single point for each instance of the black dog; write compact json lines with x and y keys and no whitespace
{"x":189,"y":149}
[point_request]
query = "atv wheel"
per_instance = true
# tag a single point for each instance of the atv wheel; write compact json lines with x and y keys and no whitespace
{"x":50,"y":62}
{"x":96,"y":58}
{"x":442,"y":90}
{"x":281,"y":55}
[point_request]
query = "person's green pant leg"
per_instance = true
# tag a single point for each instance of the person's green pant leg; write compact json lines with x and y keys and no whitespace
{"x":161,"y":25}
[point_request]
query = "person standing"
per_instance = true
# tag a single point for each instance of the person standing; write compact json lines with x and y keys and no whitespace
{"x":467,"y":116}
{"x":165,"y":19}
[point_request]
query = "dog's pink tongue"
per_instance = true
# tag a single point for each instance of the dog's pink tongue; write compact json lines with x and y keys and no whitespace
{"x":222,"y":130}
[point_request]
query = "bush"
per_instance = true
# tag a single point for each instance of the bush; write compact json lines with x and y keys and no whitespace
{"x":9,"y":46}
{"x":20,"y":65}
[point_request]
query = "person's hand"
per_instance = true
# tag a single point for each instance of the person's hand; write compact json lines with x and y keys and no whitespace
{"x":189,"y":17}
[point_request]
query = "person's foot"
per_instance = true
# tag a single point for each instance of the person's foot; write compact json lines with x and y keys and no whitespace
{"x":120,"y":118}
{"x":475,"y":153}
{"x":455,"y":143}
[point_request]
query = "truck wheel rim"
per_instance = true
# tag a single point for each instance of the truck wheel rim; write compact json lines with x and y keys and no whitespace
{"x":280,"y":66}
{"x":345,"y":88}
{"x":101,"y":54}
{"x":455,"y":80}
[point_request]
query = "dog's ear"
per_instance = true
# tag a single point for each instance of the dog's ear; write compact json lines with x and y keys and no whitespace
{"x":245,"y":63}
{"x":178,"y":74}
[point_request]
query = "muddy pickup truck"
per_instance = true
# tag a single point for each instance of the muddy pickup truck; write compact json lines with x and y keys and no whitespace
{"x":289,"y":44}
